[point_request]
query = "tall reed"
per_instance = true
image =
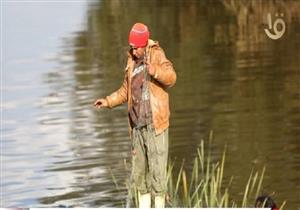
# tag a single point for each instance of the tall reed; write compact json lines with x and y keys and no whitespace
{"x":206,"y":188}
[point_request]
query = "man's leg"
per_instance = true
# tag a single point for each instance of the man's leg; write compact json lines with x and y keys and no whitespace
{"x":157,"y":159}
{"x":140,"y":168}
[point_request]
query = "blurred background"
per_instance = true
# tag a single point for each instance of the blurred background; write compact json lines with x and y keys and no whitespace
{"x":58,"y":57}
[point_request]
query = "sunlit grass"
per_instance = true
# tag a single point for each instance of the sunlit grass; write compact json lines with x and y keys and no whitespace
{"x":206,"y":187}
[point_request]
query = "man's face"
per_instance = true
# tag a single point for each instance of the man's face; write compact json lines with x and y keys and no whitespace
{"x":138,"y":52}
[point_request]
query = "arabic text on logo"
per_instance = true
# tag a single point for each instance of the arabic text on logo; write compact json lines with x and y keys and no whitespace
{"x":277,"y":32}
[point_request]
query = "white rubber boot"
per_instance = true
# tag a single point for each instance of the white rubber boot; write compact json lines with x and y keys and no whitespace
{"x":159,"y":202}
{"x":144,"y":200}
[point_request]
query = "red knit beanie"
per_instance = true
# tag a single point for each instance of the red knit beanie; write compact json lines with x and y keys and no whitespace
{"x":139,"y":35}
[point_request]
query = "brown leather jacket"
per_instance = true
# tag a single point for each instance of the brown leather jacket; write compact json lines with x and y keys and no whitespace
{"x":164,"y":77}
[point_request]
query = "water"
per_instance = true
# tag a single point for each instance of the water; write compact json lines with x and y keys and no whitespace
{"x":232,"y":79}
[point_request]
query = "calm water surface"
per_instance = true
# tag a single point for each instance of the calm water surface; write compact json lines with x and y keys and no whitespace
{"x":56,"y":149}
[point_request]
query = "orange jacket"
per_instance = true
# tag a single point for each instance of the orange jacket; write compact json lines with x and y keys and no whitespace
{"x":164,"y":77}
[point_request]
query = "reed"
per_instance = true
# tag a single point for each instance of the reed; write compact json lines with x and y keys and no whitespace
{"x":206,"y":187}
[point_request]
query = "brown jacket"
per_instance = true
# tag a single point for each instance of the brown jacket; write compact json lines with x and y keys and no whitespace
{"x":164,"y":77}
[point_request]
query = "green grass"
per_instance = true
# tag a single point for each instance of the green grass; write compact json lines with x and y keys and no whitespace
{"x":206,"y":187}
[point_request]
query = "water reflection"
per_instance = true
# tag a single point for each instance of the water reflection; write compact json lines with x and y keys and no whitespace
{"x":232,"y":79}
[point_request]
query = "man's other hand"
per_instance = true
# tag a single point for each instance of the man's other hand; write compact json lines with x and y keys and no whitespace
{"x":100,"y":103}
{"x":150,"y":69}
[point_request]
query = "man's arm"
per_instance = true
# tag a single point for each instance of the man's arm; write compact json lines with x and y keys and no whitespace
{"x":116,"y":98}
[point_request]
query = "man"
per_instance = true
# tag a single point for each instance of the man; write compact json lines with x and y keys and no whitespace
{"x":148,"y":75}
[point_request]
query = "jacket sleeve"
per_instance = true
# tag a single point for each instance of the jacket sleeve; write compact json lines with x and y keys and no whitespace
{"x":120,"y":96}
{"x":164,"y":71}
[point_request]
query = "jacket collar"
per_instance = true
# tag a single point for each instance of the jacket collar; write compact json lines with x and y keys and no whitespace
{"x":152,"y":43}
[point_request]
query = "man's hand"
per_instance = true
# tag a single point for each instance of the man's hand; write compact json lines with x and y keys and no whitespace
{"x":100,"y":103}
{"x":150,"y":69}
